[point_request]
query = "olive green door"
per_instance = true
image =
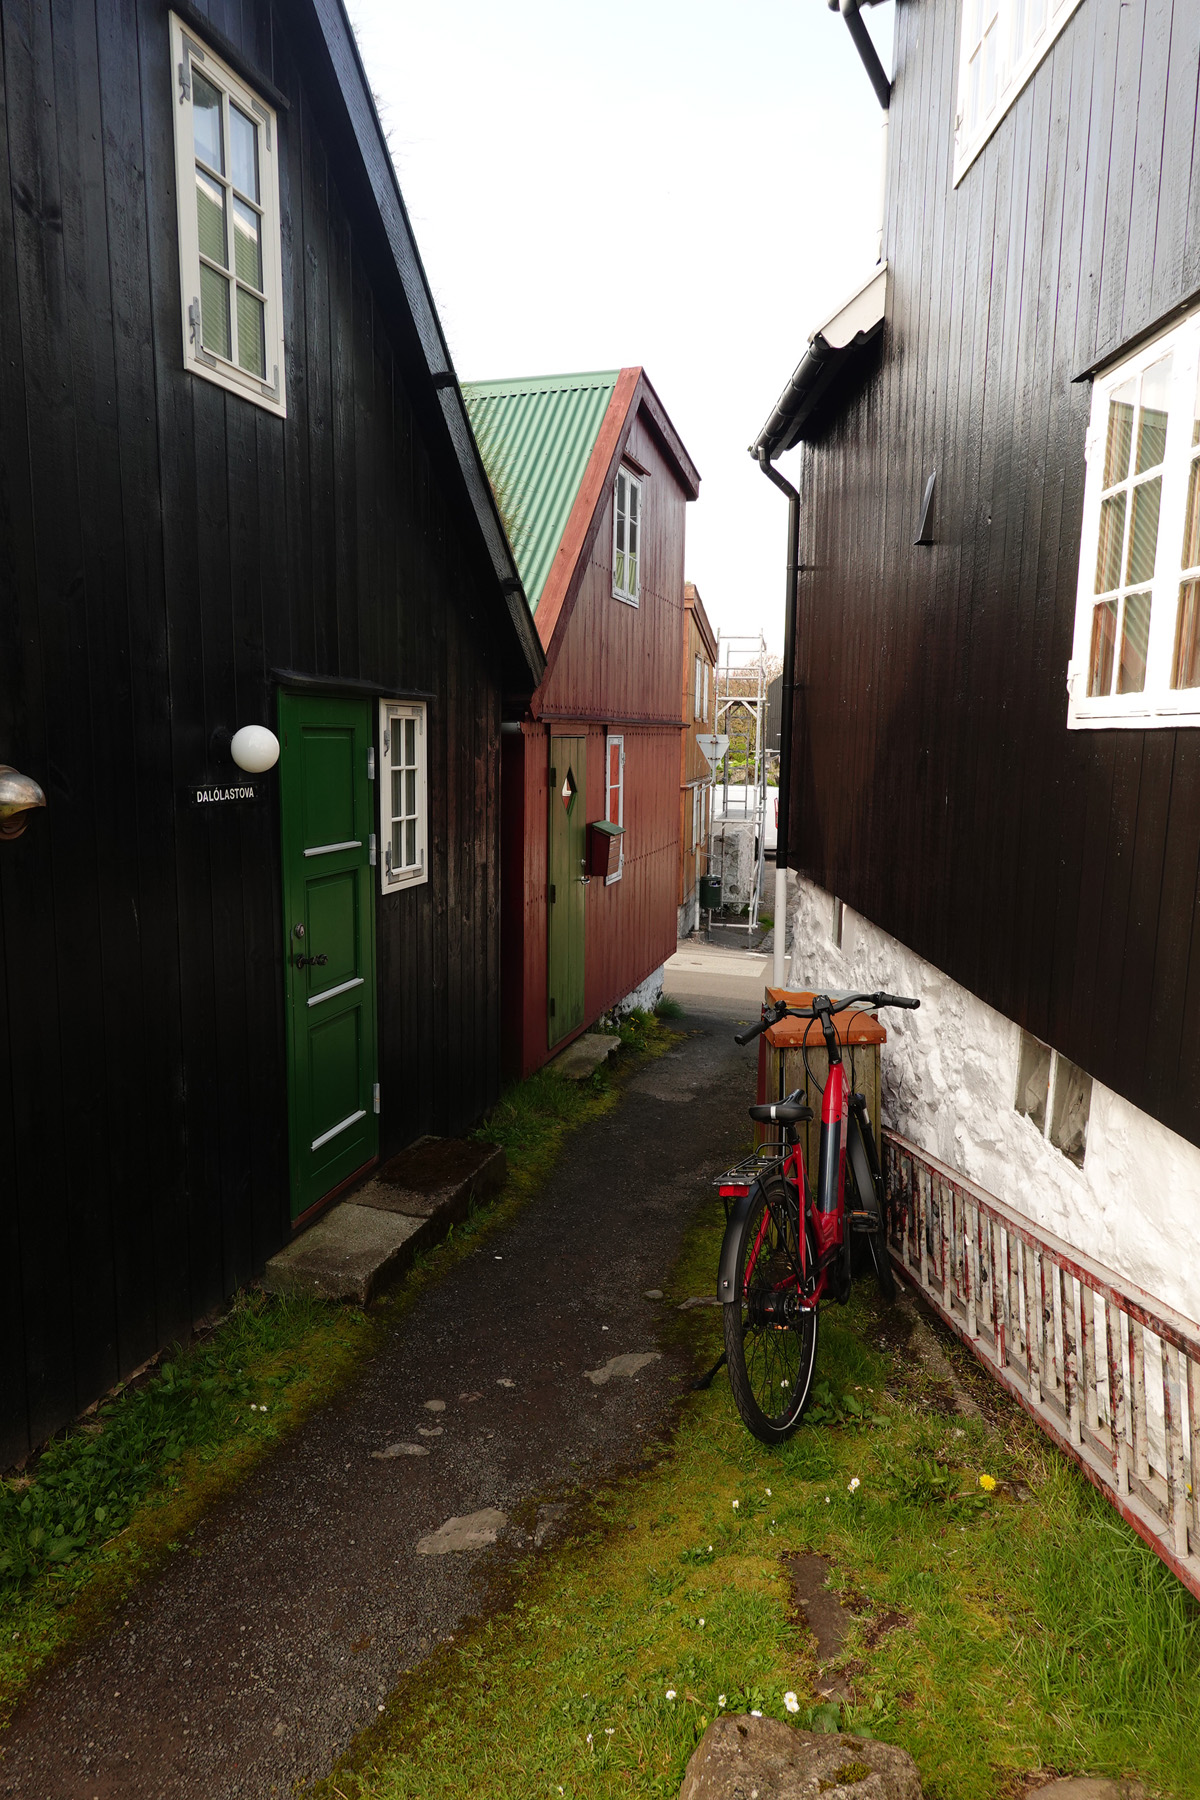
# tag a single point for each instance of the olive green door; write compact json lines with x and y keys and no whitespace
{"x":326,"y":752}
{"x":568,"y":873}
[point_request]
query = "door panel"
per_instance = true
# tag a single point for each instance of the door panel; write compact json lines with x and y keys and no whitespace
{"x":329,"y":914}
{"x":568,"y":831}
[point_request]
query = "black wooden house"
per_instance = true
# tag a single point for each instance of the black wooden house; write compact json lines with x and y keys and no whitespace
{"x":237,"y":489}
{"x":994,"y":751}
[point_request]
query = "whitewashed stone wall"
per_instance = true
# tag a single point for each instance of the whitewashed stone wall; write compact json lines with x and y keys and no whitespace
{"x":949,"y":1081}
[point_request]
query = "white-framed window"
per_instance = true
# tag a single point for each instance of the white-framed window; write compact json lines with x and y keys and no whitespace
{"x":627,"y":536}
{"x":1136,"y":653}
{"x":698,"y":691}
{"x":704,"y":714}
{"x":403,"y":796}
{"x":614,"y":793}
{"x":230,"y":251}
{"x":1001,"y":44}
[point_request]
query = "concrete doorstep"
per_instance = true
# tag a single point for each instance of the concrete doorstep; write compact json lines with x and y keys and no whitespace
{"x":371,"y":1237}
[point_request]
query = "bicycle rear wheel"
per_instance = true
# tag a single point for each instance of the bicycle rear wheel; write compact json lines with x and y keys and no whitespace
{"x":770,"y":1338}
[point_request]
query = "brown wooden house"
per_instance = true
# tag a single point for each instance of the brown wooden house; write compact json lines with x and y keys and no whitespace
{"x":696,"y":772}
{"x":593,"y":481}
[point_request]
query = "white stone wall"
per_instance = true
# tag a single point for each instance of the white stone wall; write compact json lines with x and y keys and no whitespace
{"x":731,"y":855}
{"x":949,"y":1081}
{"x":646,"y":995}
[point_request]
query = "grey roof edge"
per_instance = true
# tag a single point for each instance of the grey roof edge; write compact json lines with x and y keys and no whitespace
{"x":848,"y":331}
{"x":341,"y":47}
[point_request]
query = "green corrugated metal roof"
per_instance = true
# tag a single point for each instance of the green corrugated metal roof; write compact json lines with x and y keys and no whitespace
{"x":536,"y":437}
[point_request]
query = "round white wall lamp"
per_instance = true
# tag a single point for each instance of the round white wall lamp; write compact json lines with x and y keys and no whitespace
{"x":254,"y":749}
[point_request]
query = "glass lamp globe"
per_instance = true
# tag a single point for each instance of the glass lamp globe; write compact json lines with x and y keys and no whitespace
{"x":254,"y":749}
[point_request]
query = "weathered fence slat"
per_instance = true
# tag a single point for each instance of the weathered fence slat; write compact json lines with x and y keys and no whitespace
{"x":1068,"y":1338}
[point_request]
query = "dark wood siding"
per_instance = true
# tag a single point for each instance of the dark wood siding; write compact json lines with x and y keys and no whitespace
{"x":164,"y":546}
{"x":936,"y":788}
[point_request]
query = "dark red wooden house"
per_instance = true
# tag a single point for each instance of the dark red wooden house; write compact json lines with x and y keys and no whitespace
{"x":592,"y":481}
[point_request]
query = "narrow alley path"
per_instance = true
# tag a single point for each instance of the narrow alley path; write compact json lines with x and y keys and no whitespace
{"x":273,"y":1636}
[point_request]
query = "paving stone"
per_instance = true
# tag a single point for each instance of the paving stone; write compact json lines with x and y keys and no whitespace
{"x":472,"y":1532}
{"x":1088,"y":1787}
{"x":585,"y":1055}
{"x":437,"y":1176}
{"x":348,"y":1255}
{"x":629,"y":1364}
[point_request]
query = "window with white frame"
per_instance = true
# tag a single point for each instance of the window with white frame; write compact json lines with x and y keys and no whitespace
{"x":614,"y":801}
{"x":704,"y":714}
{"x":403,"y":796}
{"x":1001,"y":45}
{"x":697,"y":695}
{"x":627,"y":535}
{"x":1136,"y":656}
{"x":230,"y":262}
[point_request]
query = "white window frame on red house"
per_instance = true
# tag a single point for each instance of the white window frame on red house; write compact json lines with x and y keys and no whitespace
{"x":246,"y":195}
{"x":614,"y":793}
{"x":627,"y":537}
{"x":1126,"y":670}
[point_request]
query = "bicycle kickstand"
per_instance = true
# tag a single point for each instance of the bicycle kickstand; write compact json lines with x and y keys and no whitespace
{"x":706,"y":1381}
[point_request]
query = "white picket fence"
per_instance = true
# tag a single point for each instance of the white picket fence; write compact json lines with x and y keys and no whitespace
{"x":1110,"y":1373}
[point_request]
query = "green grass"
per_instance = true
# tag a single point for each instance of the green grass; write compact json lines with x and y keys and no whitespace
{"x":994,"y":1637}
{"x":104,"y":1503}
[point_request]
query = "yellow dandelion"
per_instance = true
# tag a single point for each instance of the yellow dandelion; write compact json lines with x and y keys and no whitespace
{"x":987,"y":1483}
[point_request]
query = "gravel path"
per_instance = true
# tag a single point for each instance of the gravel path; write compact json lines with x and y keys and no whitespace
{"x":279,"y":1628}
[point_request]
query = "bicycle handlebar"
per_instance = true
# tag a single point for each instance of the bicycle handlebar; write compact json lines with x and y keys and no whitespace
{"x":825,"y":1006}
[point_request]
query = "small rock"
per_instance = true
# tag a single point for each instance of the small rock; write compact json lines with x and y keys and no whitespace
{"x":739,"y":1753}
{"x":435,"y":1406}
{"x":472,"y":1532}
{"x":399,"y":1450}
{"x":505,"y":1382}
{"x":430,"y":1430}
{"x":548,"y":1517}
{"x":466,"y":1399}
{"x":698,"y":1300}
{"x":629,"y":1364}
{"x":654,"y":1293}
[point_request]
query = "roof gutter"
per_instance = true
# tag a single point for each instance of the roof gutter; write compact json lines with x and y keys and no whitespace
{"x":851,"y":12}
{"x":763,"y":457}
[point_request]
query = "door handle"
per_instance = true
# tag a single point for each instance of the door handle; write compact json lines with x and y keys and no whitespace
{"x":306,"y":962}
{"x":584,"y":880}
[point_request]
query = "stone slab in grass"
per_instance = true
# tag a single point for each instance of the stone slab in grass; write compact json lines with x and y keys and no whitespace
{"x":436,"y":1175}
{"x":350,"y":1253}
{"x":740,"y":1755}
{"x":581,"y":1058}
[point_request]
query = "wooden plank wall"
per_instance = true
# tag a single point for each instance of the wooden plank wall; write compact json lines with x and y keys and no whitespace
{"x":936,"y":787}
{"x":619,"y":661}
{"x":163,"y":546}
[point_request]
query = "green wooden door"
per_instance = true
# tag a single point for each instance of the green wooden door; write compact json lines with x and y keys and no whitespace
{"x":329,"y":923}
{"x":568,"y":867}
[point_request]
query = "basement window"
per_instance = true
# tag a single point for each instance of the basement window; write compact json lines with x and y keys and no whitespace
{"x":627,"y":536}
{"x":230,"y":259}
{"x":1054,"y":1096}
{"x":403,"y":796}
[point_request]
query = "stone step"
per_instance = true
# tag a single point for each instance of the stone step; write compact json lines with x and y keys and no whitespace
{"x":584,"y":1055}
{"x":370,"y":1238}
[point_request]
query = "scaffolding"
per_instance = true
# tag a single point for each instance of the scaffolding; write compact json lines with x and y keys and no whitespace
{"x":741,"y":775}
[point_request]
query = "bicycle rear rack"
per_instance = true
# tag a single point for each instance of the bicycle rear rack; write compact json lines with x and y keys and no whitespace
{"x":743,"y":1173}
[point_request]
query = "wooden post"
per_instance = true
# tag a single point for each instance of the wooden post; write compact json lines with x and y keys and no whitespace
{"x":1173,"y":1429}
{"x":971,"y":1234}
{"x":1087,"y":1308}
{"x":1070,"y":1366}
{"x":1137,"y":1400}
{"x":1116,"y":1398}
{"x":1031,"y":1264}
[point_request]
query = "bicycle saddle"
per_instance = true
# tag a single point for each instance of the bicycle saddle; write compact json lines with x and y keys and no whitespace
{"x":781,"y":1112}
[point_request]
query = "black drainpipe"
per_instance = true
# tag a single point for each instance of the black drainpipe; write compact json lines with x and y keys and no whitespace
{"x":850,"y":11}
{"x":789,"y":678}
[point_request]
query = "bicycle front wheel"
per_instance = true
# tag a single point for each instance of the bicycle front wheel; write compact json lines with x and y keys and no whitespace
{"x":770,"y":1337}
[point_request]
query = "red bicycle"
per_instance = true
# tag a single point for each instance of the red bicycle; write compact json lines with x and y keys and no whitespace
{"x":774,"y":1273}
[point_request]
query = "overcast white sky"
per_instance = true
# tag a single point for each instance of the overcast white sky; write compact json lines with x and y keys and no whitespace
{"x":677,"y":183}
